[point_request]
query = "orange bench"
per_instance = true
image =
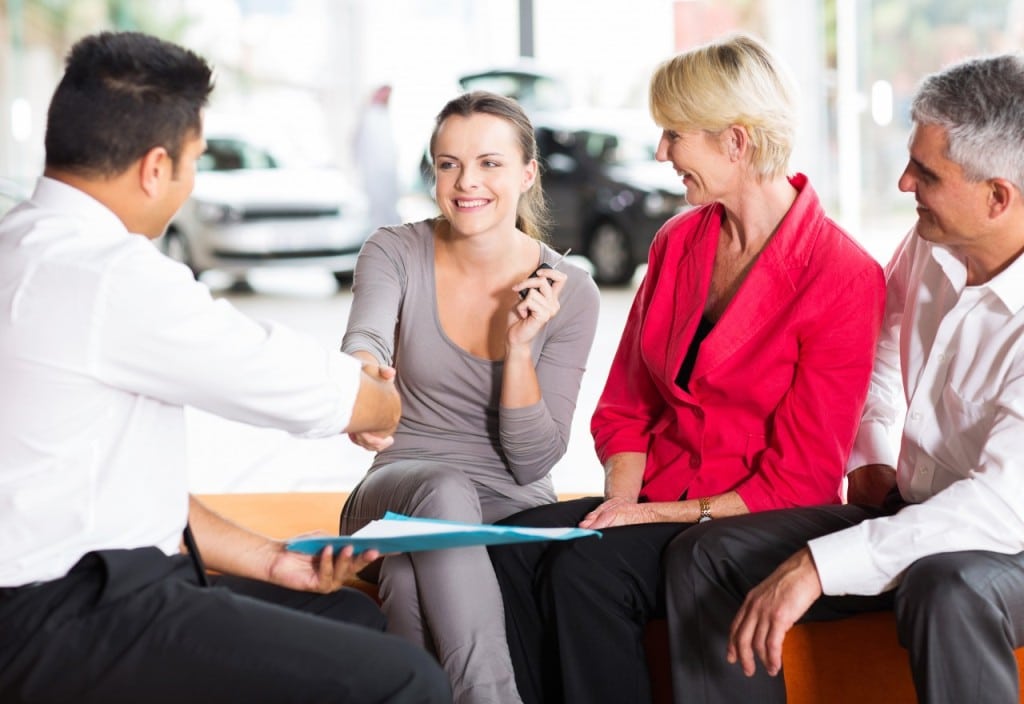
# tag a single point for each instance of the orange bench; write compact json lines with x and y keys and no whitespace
{"x":854,"y":661}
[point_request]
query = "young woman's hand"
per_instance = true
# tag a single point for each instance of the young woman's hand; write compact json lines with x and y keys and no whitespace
{"x":539,"y":306}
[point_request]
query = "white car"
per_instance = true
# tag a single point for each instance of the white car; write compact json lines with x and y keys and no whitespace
{"x":247,"y":211}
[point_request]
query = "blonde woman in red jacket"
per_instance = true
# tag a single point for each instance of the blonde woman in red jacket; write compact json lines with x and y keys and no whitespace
{"x":737,"y":385}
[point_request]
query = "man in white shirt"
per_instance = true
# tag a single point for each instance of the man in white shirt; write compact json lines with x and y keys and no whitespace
{"x":936,"y":533}
{"x":103,"y":340}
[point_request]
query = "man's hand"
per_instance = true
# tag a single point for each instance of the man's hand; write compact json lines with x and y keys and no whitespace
{"x":770,"y":610}
{"x":323,"y":573}
{"x":870,"y":484}
{"x":617,"y":511}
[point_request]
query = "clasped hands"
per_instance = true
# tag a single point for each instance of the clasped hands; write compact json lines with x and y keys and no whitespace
{"x":378,"y":440}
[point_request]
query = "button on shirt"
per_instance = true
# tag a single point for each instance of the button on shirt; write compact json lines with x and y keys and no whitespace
{"x":103,"y":340}
{"x":953,"y":354}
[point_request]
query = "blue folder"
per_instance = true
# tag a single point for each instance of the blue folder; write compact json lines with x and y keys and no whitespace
{"x":397,"y":533}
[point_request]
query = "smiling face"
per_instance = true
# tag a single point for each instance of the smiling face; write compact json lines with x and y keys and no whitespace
{"x":480,"y":173}
{"x":950,"y":209}
{"x":701,"y":161}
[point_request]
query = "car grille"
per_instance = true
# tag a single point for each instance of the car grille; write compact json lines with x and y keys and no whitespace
{"x":256,"y":214}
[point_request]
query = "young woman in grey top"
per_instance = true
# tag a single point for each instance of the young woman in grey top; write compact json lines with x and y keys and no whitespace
{"x":488,"y":379}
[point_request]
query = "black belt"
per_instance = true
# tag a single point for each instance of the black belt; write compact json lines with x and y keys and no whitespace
{"x":86,"y":563}
{"x":197,"y":559}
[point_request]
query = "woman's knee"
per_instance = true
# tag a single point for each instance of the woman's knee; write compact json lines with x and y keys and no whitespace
{"x":694,"y":549}
{"x":424,"y":489}
{"x":565,"y":563}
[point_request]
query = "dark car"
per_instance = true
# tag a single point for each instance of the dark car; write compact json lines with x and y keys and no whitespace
{"x":525,"y":83}
{"x":607,"y":194}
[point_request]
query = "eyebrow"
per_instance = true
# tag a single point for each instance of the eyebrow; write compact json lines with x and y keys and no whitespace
{"x":927,"y":172}
{"x":478,"y":156}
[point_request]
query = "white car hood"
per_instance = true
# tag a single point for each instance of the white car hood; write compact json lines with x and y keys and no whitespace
{"x":285,"y":187}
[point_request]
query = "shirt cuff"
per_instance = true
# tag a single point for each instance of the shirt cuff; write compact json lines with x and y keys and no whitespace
{"x":844,"y":562}
{"x":872,"y":446}
{"x":344,"y":374}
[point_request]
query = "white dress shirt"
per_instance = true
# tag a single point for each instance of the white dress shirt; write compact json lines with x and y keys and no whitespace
{"x":955,"y":351}
{"x":103,"y":340}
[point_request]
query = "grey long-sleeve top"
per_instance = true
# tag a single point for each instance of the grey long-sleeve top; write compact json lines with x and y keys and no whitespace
{"x":451,"y":399}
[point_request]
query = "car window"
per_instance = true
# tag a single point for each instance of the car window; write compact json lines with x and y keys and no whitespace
{"x":533,"y":92}
{"x":617,"y":149}
{"x":233,"y":154}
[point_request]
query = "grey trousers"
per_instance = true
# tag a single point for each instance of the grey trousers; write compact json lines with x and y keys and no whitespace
{"x":448,"y":601}
{"x":960,"y":615}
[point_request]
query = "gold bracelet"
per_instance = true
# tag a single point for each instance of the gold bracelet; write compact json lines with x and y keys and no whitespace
{"x":705,"y":510}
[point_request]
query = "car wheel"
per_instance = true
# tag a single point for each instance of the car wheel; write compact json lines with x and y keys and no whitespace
{"x":611,"y":255}
{"x":173,"y":244}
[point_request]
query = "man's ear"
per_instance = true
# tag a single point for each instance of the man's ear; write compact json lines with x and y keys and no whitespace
{"x":155,"y":169}
{"x":1001,"y":196}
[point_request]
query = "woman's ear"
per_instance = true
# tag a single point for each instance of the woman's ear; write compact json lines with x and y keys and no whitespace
{"x":529,"y":175}
{"x":736,"y":141}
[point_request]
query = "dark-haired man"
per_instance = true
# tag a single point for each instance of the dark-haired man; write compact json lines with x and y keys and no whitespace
{"x":937,"y":533}
{"x":102,"y":342}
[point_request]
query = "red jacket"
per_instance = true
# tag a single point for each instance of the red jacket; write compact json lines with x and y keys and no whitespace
{"x":778,"y":385}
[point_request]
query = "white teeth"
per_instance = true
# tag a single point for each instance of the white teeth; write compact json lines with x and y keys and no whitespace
{"x":469,"y":203}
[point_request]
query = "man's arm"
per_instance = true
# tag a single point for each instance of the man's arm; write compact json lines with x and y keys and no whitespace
{"x":870,"y":484}
{"x":229,"y":548}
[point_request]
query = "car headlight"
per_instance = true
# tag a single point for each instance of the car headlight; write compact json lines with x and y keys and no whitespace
{"x":215,"y":213}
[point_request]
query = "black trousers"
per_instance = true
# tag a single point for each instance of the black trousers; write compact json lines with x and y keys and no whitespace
{"x":960,"y":615}
{"x":134,"y":626}
{"x":575,"y":611}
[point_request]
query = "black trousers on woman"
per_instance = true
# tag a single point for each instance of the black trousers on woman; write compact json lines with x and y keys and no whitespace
{"x":129,"y":626}
{"x":575,"y":611}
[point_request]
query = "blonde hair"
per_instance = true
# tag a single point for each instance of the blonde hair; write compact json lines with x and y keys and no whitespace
{"x":732,"y":81}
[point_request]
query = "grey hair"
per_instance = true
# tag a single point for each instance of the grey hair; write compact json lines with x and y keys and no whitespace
{"x":980,"y":104}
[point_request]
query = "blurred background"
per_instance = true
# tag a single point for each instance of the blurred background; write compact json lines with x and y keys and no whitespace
{"x":322,"y":110}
